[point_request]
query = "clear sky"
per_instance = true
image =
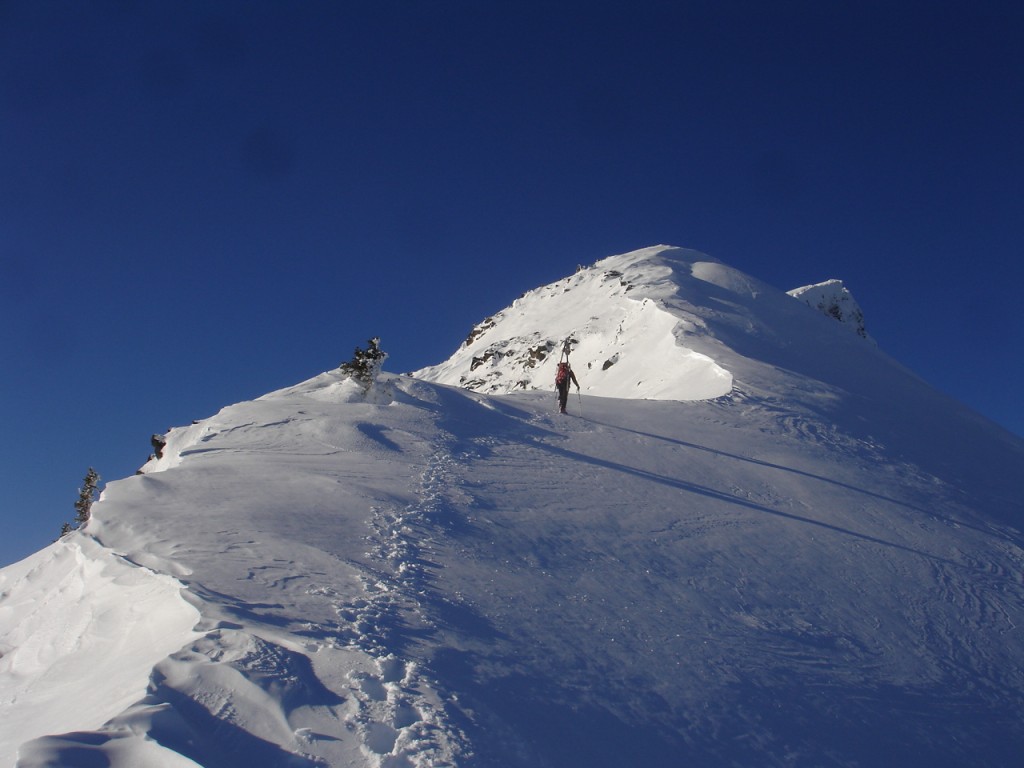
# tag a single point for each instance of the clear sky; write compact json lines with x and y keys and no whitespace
{"x":204,"y":201}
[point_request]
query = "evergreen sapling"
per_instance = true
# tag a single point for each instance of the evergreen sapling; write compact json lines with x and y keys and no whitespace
{"x":365,"y":364}
{"x":83,"y":506}
{"x":86,"y":496}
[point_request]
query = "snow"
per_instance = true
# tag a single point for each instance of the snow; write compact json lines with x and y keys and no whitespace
{"x":77,"y":611}
{"x":775,"y":547}
{"x":628,"y":349}
{"x":834,"y":300}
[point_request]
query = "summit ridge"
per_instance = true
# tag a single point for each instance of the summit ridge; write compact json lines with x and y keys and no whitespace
{"x":766,"y":543}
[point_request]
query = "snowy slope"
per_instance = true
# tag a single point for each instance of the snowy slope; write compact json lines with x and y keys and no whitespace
{"x":820,"y":565}
{"x":624,"y":341}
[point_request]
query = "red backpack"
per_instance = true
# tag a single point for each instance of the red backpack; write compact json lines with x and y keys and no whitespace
{"x":563,"y":373}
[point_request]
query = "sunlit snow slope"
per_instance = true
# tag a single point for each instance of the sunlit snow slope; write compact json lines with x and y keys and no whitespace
{"x":818,"y":565}
{"x":626,"y":337}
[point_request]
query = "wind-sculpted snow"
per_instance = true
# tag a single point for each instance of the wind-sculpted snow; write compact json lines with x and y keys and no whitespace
{"x":80,"y":630}
{"x":809,"y":570}
{"x":275,"y":515}
{"x":624,"y":341}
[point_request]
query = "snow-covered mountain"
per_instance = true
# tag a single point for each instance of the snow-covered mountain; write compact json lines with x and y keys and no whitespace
{"x":832,"y":298}
{"x":625,"y":341}
{"x":765,"y":543}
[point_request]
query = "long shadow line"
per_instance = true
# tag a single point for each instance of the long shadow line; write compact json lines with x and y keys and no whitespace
{"x":725,"y":497}
{"x":810,"y":475}
{"x":535,"y":435}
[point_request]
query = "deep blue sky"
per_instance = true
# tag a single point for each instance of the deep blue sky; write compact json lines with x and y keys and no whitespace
{"x":201,"y":202}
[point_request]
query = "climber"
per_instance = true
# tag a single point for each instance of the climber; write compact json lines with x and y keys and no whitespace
{"x":562,"y":378}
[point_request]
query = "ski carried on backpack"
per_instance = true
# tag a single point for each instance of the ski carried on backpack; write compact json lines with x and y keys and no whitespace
{"x":563,"y":373}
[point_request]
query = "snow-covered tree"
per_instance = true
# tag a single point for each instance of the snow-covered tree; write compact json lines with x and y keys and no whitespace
{"x":83,"y":505}
{"x":366,"y":363}
{"x":86,"y":496}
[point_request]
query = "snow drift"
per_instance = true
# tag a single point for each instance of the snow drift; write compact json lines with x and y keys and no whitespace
{"x":766,"y":543}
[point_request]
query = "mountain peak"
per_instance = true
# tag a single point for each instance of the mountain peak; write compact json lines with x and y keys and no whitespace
{"x":658,"y":323}
{"x":833,"y":299}
{"x":624,"y":341}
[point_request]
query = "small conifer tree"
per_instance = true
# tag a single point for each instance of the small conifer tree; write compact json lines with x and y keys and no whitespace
{"x":366,"y":363}
{"x":83,"y":506}
{"x":86,"y":496}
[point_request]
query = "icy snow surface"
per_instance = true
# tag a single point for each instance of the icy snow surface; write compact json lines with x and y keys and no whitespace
{"x":818,"y":564}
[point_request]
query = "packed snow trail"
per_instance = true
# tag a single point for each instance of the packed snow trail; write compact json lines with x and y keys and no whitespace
{"x":267,"y":513}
